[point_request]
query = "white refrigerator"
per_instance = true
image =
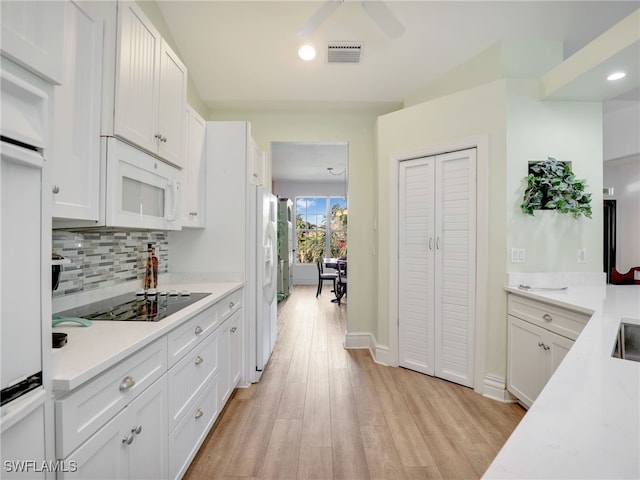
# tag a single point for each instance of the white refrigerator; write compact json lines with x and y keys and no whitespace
{"x":263,"y":329}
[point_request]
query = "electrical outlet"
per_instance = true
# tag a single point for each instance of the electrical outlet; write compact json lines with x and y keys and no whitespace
{"x":582,"y":255}
{"x":517,"y":255}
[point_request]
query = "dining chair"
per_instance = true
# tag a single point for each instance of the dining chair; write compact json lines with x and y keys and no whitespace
{"x":322,"y":276}
{"x":341,"y":289}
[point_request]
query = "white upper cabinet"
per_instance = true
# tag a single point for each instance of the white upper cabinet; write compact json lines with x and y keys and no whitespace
{"x":193,"y":201}
{"x":171,"y":105}
{"x":76,"y":139}
{"x":32,"y":36}
{"x":150,"y":88}
{"x":256,"y":164}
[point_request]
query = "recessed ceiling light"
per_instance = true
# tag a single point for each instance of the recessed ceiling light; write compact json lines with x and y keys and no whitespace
{"x":307,"y":52}
{"x":616,"y":76}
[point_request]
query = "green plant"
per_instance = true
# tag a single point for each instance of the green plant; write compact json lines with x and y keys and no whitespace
{"x":551,"y":185}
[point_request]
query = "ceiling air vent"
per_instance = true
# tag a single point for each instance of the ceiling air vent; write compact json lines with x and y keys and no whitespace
{"x":344,"y":52}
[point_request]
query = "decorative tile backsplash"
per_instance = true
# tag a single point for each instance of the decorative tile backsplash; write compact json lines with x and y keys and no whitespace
{"x":103,"y":259}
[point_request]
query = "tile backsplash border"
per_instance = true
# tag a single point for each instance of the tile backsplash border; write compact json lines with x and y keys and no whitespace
{"x":102,"y":259}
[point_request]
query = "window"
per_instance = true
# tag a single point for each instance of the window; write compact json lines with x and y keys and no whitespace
{"x":316,"y":236}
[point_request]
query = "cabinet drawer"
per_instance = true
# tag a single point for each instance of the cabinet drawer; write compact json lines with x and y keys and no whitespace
{"x":230,"y":304}
{"x":562,"y":321}
{"x":86,"y":409}
{"x":189,"y":376}
{"x":191,"y":431}
{"x":192,"y":332}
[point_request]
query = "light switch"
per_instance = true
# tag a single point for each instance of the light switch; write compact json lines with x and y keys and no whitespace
{"x":517,"y":255}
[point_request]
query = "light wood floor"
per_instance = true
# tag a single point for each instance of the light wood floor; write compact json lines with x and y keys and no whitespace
{"x":323,"y":412}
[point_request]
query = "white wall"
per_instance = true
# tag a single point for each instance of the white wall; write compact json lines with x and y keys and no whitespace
{"x":307,"y":274}
{"x":622,"y":172}
{"x":567,"y":131}
{"x":624,"y":176}
{"x":621,"y":129}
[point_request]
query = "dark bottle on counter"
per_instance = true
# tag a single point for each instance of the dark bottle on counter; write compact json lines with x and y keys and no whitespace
{"x":151,"y":273}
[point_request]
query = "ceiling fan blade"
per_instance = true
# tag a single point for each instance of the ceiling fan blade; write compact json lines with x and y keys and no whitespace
{"x":320,"y":16}
{"x":383,"y":17}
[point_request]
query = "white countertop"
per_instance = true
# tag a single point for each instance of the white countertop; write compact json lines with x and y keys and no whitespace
{"x":91,"y":350}
{"x":586,"y":421}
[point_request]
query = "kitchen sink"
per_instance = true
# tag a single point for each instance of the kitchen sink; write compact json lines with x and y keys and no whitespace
{"x":628,"y":342}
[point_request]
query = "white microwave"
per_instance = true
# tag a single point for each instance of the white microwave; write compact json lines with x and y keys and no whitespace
{"x":142,"y":192}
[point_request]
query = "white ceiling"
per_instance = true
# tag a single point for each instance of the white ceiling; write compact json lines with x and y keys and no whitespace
{"x":242,"y":55}
{"x":309,"y":162}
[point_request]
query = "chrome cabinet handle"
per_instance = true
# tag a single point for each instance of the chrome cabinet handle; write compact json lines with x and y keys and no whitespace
{"x":547,"y":318}
{"x":545,"y":347}
{"x":437,"y":243}
{"x":199,"y":413}
{"x":540,"y":344}
{"x":55,"y":189}
{"x":231,"y":304}
{"x":137,"y":429}
{"x":430,"y":243}
{"x":193,"y":214}
{"x":198,"y":330}
{"x":157,"y":136}
{"x":128,"y":440}
{"x":233,"y":330}
{"x":127,"y":383}
{"x":199,"y":360}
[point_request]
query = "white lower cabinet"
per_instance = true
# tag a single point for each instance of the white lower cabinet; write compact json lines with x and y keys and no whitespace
{"x":131,"y":445}
{"x":201,"y":381}
{"x":539,"y":337}
{"x":185,"y":440}
{"x":191,"y":375}
{"x":147,"y":416}
{"x":230,"y":354}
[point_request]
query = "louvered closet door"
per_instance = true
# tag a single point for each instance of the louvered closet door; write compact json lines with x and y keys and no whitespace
{"x":436,"y":270}
{"x":455,"y":260}
{"x":416,"y":265}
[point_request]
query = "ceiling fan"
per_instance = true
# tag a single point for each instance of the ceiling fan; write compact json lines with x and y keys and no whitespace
{"x":376,"y":9}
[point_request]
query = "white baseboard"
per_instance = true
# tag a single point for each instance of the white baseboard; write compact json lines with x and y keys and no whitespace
{"x":495,"y":388}
{"x":379,"y":353}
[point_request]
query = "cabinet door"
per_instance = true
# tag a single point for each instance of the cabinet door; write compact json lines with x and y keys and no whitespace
{"x":137,"y":67}
{"x":558,"y":348}
{"x":104,"y":455}
{"x":148,"y":423}
{"x":224,"y":379}
{"x":22,"y":442}
{"x":526,"y":360}
{"x":256,"y":164}
{"x":32,"y":35}
{"x":193,"y":212}
{"x":76,"y":142}
{"x":131,"y":445}
{"x":415,"y":269}
{"x":172,"y":100}
{"x":235,"y":349}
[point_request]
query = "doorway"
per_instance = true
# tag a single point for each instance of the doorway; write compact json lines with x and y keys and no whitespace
{"x":307,"y":171}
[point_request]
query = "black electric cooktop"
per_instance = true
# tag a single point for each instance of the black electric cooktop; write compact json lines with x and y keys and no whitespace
{"x":135,"y":308}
